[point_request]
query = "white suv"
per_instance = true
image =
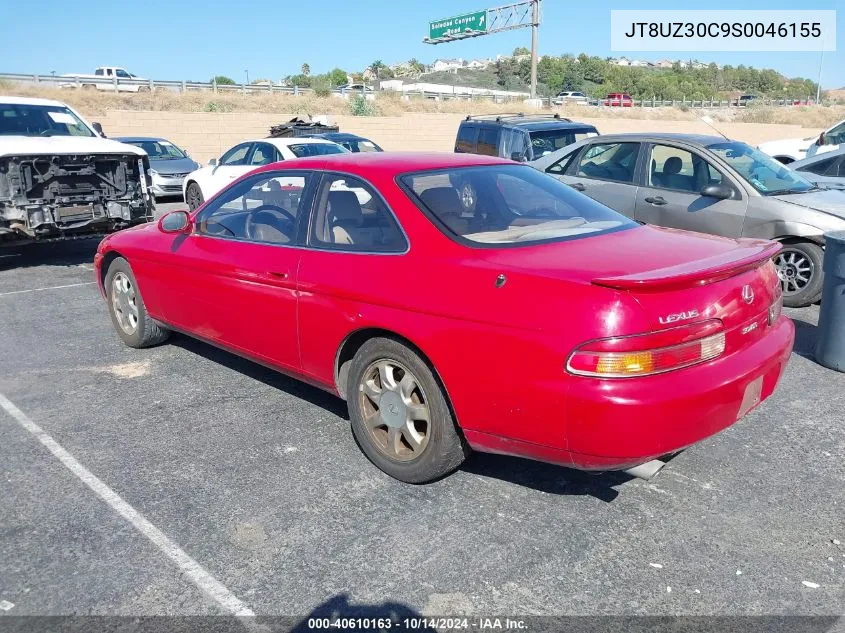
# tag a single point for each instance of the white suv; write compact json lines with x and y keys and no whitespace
{"x":570,"y":97}
{"x":790,"y":150}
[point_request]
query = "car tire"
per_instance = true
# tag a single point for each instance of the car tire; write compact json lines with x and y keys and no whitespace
{"x":126,"y":308}
{"x":193,"y":196}
{"x":796,"y":257}
{"x":392,"y":430}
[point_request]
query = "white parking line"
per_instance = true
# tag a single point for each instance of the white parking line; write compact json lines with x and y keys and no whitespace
{"x":18,"y":292}
{"x":212,"y":587}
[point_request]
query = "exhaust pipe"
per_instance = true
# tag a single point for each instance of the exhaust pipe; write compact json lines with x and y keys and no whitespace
{"x":646,"y":471}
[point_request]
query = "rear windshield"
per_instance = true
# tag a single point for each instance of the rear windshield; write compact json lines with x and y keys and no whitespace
{"x":547,"y":141}
{"x":159,"y":150}
{"x":316,"y":149}
{"x":508,"y":205}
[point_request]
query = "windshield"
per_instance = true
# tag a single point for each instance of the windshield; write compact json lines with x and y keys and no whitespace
{"x":508,"y":204}
{"x":159,"y":150}
{"x":38,"y":120}
{"x":765,"y":174}
{"x":547,"y":141}
{"x":316,"y":149}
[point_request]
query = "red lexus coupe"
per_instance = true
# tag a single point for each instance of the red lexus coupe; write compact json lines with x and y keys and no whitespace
{"x":461,"y":302}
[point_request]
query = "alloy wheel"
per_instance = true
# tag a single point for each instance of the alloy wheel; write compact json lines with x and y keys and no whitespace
{"x":795,"y":270}
{"x":124,"y":302}
{"x":395,"y":410}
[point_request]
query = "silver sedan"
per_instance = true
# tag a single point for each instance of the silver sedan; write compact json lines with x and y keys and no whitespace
{"x":711,"y":185}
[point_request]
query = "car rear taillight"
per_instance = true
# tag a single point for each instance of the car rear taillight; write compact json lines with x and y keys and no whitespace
{"x":776,"y":309}
{"x":648,"y":354}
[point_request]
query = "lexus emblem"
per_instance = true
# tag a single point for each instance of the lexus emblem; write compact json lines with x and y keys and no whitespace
{"x":747,"y":294}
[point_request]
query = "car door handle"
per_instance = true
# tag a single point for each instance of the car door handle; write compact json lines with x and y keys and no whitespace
{"x":279,"y":278}
{"x":578,"y":186}
{"x":658,"y":201}
{"x":278,"y":275}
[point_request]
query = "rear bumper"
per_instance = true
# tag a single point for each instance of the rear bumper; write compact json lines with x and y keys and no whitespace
{"x":617,"y":424}
{"x":621,"y":423}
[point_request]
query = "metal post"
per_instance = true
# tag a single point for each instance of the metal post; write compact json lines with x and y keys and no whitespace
{"x":819,"y":82}
{"x":535,"y":23}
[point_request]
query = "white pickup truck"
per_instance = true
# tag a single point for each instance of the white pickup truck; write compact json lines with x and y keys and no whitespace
{"x":112,"y":78}
{"x":61,"y":179}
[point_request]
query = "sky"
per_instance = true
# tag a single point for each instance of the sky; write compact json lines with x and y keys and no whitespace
{"x":194,"y":40}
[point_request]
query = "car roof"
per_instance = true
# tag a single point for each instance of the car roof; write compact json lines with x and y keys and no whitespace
{"x":340,"y":136}
{"x":9,"y":99}
{"x":525,"y":122}
{"x":390,"y":163}
{"x":291,"y":140}
{"x":694,"y":139}
{"x":139,"y":139}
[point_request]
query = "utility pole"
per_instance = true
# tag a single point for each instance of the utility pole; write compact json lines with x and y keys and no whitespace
{"x":535,"y":24}
{"x":819,"y":82}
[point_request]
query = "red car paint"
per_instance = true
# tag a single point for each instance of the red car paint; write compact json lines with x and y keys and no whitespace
{"x":618,"y":100}
{"x":500,"y":352}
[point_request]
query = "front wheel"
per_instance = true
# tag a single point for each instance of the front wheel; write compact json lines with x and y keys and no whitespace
{"x":399,"y":414}
{"x":193,"y":196}
{"x":799,"y":267}
{"x":126,"y":307}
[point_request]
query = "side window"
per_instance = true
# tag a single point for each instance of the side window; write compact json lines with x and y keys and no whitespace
{"x":467,"y":138}
{"x":265,"y":209}
{"x":514,"y":144}
{"x":836,"y":135}
{"x":350,"y":216}
{"x":122,"y":73}
{"x":609,"y":161}
{"x":838,"y":171}
{"x":560,"y":166}
{"x":819,"y":167}
{"x":488,"y":141}
{"x":263,"y":154}
{"x":676,"y":168}
{"x":108,"y":72}
{"x":99,"y":72}
{"x":237,"y":155}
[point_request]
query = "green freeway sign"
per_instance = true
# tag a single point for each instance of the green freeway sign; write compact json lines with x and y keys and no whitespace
{"x":459,"y":24}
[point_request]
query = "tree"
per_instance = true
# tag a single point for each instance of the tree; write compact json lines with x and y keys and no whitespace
{"x":376,"y":66}
{"x":222,"y":80}
{"x":521,"y":50}
{"x":306,"y":69}
{"x":415,"y":65}
{"x":337,"y":77}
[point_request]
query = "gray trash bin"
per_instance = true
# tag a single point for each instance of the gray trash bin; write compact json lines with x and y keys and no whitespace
{"x":830,"y":349}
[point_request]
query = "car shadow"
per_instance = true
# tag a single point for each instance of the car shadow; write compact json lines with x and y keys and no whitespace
{"x":70,"y":253}
{"x":541,"y":476}
{"x":806,"y":337}
{"x":548,"y":478}
{"x":357,"y":617}
{"x":269,"y":377}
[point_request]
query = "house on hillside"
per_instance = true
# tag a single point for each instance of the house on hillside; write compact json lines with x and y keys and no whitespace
{"x":479,"y":63}
{"x":638,"y":63}
{"x":452,"y":65}
{"x":663,"y":63}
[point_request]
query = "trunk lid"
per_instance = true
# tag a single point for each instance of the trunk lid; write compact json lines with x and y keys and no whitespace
{"x":676,"y":277}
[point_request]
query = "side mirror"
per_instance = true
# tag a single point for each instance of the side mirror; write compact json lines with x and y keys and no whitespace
{"x":98,"y":128}
{"x":175,"y":222}
{"x":720,"y":192}
{"x":518,"y":157}
{"x":212,"y":162}
{"x":821,"y":139}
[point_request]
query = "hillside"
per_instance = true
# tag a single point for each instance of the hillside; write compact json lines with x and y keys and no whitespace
{"x":596,"y":77}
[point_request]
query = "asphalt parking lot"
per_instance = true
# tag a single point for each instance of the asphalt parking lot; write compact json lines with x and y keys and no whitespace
{"x":257,"y":480}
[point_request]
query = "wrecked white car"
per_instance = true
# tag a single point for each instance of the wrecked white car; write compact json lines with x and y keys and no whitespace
{"x":60,"y":178}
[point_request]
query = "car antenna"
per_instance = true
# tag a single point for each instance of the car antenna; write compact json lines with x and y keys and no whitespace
{"x":709,"y":122}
